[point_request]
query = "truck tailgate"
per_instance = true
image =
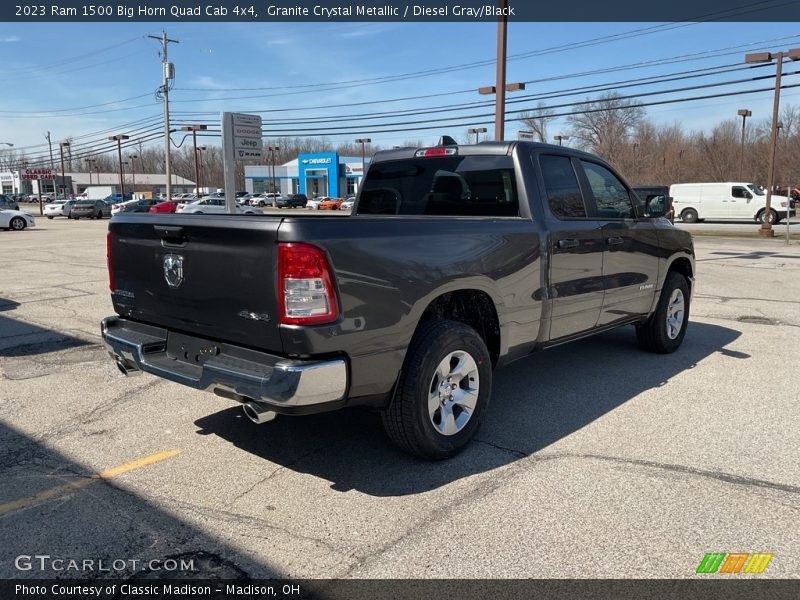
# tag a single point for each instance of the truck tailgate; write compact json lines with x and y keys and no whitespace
{"x":206,"y":276}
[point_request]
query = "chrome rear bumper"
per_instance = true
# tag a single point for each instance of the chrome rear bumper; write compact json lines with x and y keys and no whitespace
{"x":271,"y":380}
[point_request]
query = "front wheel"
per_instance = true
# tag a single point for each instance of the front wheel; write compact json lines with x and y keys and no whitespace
{"x":17,"y":224}
{"x":689,"y":216}
{"x":771,"y":219}
{"x":50,"y":218}
{"x":664,"y":331}
{"x":443,"y":391}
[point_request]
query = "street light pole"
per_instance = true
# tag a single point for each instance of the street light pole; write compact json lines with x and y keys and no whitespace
{"x":477,"y":131}
{"x":764,"y":57}
{"x":194,"y":129}
{"x":118,"y":138}
{"x":271,"y":150}
{"x":132,"y":158}
{"x":61,"y":147}
{"x":363,"y":141}
{"x":90,"y":162}
{"x":744,"y":113}
{"x":198,"y":154}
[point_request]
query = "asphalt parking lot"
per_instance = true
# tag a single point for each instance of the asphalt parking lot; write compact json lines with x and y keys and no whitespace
{"x":597,"y":460}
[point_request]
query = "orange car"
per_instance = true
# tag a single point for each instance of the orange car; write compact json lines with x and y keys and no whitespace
{"x":331,"y":204}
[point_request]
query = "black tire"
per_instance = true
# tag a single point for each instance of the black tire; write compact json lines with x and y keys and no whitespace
{"x":408,"y":421}
{"x":689,"y":215}
{"x":99,"y":215}
{"x":17,"y":224}
{"x":656,"y":334}
{"x":772,"y":214}
{"x":76,"y":218}
{"x":51,"y":218}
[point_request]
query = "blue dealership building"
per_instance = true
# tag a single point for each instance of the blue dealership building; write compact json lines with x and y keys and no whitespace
{"x":315,"y":174}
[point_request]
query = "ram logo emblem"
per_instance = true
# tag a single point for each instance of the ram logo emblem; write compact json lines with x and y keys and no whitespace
{"x":173,"y":269}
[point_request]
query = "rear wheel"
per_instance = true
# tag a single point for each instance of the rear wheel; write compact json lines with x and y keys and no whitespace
{"x":664,"y":331}
{"x":49,"y":217}
{"x":443,"y":391}
{"x":17,"y":224}
{"x":689,"y":215}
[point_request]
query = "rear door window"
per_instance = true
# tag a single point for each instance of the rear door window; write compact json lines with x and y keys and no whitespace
{"x":452,"y":185}
{"x":561,"y":185}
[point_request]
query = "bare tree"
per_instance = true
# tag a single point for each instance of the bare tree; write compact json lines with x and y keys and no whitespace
{"x":603,"y":126}
{"x":537,"y":120}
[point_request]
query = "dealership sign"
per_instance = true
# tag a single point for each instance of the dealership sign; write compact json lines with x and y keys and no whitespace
{"x":32,"y":174}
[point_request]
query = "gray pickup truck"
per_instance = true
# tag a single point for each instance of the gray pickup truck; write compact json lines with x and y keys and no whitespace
{"x":455,"y":261}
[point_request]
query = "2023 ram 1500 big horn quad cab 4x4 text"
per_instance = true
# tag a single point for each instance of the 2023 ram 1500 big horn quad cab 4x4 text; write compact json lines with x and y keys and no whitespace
{"x":457,"y":260}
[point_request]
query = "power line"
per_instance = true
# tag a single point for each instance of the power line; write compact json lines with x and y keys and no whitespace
{"x":369,"y":128}
{"x":706,"y":54}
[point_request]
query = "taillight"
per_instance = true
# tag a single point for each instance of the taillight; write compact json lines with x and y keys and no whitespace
{"x":111,"y":283}
{"x":435,"y":152}
{"x":305,"y":286}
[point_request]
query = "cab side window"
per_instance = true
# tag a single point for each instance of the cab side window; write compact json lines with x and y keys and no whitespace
{"x":611,"y":196}
{"x":561,"y":184}
{"x":740,"y":192}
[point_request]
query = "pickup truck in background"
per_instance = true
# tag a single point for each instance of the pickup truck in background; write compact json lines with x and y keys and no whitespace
{"x":455,"y":261}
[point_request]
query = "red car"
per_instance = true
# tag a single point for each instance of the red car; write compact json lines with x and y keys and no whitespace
{"x":168,"y":206}
{"x":331,"y":204}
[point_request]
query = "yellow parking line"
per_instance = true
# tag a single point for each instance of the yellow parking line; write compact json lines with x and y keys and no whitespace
{"x":78,"y":484}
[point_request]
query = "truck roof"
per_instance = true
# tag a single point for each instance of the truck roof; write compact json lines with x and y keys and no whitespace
{"x":490,"y":147}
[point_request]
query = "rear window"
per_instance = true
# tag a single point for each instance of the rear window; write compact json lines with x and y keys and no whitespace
{"x":482,"y":186}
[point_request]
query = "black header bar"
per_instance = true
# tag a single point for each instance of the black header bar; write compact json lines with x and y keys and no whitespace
{"x":322,"y":11}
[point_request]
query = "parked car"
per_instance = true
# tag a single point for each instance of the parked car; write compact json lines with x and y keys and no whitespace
{"x":347,"y":204}
{"x":331,"y":204}
{"x":214,"y":206}
{"x":265,"y":199}
{"x":120,"y":206}
{"x":118,"y":198}
{"x":138,"y":206}
{"x":731,"y":200}
{"x":293,"y":201}
{"x":7,"y":203}
{"x":93,"y":209}
{"x":313,"y":203}
{"x":460,"y":260}
{"x":185,"y":197}
{"x":15,"y":220}
{"x":60,"y":208}
{"x":165,"y":206}
{"x":243,"y":199}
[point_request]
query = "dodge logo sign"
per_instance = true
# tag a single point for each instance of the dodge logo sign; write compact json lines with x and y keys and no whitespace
{"x":173,"y":269}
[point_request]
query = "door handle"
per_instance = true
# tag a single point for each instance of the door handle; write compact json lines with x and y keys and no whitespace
{"x":615,"y":241}
{"x":567,"y":243}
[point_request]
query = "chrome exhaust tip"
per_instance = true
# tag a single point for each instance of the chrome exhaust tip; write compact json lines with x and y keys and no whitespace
{"x":124,"y":367}
{"x":257,"y":413}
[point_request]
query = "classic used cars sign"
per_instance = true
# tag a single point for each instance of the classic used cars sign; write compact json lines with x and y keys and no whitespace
{"x":37,"y":174}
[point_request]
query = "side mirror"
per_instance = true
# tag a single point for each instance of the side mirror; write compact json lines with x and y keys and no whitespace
{"x":656,"y":207}
{"x":748,"y":195}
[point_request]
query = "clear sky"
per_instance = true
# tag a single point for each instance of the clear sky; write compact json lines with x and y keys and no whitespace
{"x":73,"y":68}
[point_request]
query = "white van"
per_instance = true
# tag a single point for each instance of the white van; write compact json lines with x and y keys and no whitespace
{"x":731,"y":200}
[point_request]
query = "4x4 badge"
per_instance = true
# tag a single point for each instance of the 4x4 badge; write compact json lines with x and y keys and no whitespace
{"x":173,"y":269}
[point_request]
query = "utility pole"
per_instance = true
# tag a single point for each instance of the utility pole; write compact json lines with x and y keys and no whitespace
{"x":744,"y":113}
{"x":52,"y":166}
{"x":169,"y":75}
